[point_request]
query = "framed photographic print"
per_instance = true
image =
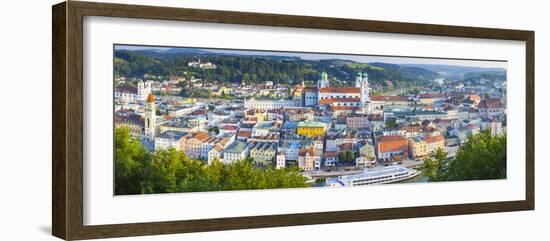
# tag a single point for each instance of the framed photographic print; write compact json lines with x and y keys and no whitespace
{"x":171,"y":120}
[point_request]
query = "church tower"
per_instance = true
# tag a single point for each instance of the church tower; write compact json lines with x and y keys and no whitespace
{"x":358,"y":79}
{"x":365,"y":98}
{"x":323,"y":81}
{"x":150,"y":118}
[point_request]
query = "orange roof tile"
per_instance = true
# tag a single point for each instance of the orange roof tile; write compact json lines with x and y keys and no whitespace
{"x":434,"y":138}
{"x":150,"y":98}
{"x":340,"y":90}
{"x":245,"y":133}
{"x":343,"y":107}
{"x":490,"y":104}
{"x":336,"y":100}
{"x":389,"y":98}
{"x":201,"y":136}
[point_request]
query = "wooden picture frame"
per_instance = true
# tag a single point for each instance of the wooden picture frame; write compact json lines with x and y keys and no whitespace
{"x":67,"y":119}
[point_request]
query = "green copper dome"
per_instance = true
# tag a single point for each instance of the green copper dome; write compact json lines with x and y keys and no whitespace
{"x":324,"y":76}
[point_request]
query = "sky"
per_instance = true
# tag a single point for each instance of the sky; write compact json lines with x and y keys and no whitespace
{"x":357,"y":58}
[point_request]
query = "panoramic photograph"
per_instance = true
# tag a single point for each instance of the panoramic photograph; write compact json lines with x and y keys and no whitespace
{"x":192,"y":119}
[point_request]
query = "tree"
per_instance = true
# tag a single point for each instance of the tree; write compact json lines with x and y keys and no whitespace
{"x":251,"y":69}
{"x":482,"y":157}
{"x":391,"y":123}
{"x":131,"y":161}
{"x":167,"y":171}
{"x":346,"y":156}
{"x":433,"y":164}
{"x":215,"y":129}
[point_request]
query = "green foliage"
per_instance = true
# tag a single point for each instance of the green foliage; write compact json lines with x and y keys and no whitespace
{"x":488,"y":75}
{"x":215,"y":129}
{"x":482,"y":157}
{"x":391,"y":123}
{"x":195,"y":93}
{"x":131,"y":164}
{"x":258,"y":69}
{"x":169,"y":171}
{"x":346,"y":156}
{"x":433,"y":165}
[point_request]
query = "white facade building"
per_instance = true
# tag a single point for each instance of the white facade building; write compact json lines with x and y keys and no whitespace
{"x":169,"y":139}
{"x":129,"y":93}
{"x":238,"y":150}
{"x":280,"y":161}
{"x":271,"y":104}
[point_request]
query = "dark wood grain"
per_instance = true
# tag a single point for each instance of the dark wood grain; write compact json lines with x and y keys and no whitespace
{"x":58,"y":121}
{"x":67,"y":119}
{"x":530,"y":120}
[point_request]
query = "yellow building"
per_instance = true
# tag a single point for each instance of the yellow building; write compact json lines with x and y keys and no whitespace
{"x":418,"y":147}
{"x":311,"y":128}
{"x":258,"y":114}
{"x":426,"y":146}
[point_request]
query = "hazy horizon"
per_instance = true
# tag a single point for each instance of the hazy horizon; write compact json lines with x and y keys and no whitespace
{"x":501,"y":64}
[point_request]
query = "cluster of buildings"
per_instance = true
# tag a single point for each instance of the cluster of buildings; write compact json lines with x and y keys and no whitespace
{"x":311,"y":127}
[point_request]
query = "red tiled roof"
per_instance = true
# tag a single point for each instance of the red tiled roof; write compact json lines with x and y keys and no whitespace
{"x":340,"y":90}
{"x":391,"y":138}
{"x":391,"y":144}
{"x":333,"y":108}
{"x":412,"y":128}
{"x":131,"y":118}
{"x":346,"y":146}
{"x":336,"y":100}
{"x":229,"y":127}
{"x":201,"y":136}
{"x":245,"y":133}
{"x":434,"y":138}
{"x":375,"y":117}
{"x":127,"y":89}
{"x":303,"y":152}
{"x":310,"y":89}
{"x":490,"y":104}
{"x":389,"y":98}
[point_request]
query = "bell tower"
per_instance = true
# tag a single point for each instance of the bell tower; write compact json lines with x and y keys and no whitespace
{"x":364,"y":86}
{"x":150,"y":118}
{"x":323,"y":81}
{"x":358,"y":80}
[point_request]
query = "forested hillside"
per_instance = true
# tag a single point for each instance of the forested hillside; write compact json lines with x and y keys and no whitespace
{"x":257,"y":69}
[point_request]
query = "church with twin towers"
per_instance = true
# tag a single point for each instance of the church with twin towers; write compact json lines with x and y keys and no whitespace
{"x":340,"y":99}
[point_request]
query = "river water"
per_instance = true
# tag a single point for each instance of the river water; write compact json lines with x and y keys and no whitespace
{"x":417,"y":179}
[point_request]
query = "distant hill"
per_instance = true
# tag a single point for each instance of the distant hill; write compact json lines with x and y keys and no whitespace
{"x":233,"y":68}
{"x":453,"y":70}
{"x":487,"y":75}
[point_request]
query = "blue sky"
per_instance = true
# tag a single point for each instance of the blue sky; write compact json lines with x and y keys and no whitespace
{"x":358,"y":58}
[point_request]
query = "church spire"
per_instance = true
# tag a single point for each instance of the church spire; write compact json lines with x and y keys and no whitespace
{"x":150,"y":118}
